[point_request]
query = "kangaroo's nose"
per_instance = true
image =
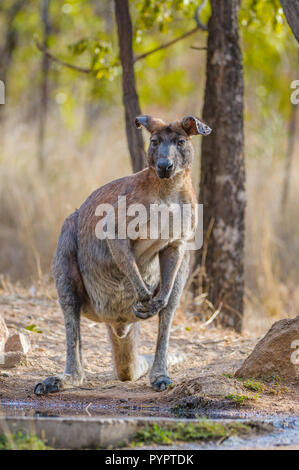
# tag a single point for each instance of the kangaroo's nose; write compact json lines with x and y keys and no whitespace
{"x":165,"y":164}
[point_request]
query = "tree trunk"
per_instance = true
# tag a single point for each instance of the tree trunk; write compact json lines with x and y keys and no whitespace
{"x":130,"y":97}
{"x":291,"y":144}
{"x":6,"y":53}
{"x":291,"y":11}
{"x":289,"y":158}
{"x":44,"y":84}
{"x":10,"y":38}
{"x":222,"y":185}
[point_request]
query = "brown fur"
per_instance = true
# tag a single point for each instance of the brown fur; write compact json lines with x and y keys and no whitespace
{"x":120,"y":280}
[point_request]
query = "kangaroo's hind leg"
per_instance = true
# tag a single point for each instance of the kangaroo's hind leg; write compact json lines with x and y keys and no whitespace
{"x":73,"y":373}
{"x":159,"y":377}
{"x":71,"y":297}
{"x":128,"y":363}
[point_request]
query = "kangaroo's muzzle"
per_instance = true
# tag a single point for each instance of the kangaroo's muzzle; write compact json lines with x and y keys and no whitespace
{"x":164,"y":168}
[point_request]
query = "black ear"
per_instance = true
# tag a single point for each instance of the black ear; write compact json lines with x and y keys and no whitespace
{"x":149,"y":123}
{"x":193,"y":126}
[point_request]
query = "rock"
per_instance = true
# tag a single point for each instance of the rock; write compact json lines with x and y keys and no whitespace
{"x":17,"y":342}
{"x":3,"y":333}
{"x":210,"y":386}
{"x":10,"y":359}
{"x":276,"y":354}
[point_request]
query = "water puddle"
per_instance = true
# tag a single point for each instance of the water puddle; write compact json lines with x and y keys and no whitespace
{"x":77,"y":409}
{"x":285,"y":427}
{"x":285,"y":435}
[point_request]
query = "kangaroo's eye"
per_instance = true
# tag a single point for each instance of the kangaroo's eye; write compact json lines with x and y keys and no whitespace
{"x":154,"y":142}
{"x":181,"y":142}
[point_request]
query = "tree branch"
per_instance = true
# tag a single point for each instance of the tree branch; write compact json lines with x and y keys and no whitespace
{"x":199,"y":26}
{"x":59,"y":61}
{"x":167,"y":44}
{"x":197,"y":48}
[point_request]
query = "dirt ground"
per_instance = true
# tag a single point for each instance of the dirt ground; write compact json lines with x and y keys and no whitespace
{"x":210,"y":355}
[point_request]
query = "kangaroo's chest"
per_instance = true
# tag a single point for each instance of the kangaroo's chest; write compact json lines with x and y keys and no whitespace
{"x":164,"y":223}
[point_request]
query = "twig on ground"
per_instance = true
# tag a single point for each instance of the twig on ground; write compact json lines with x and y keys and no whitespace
{"x":212,"y":318}
{"x":86,"y":409}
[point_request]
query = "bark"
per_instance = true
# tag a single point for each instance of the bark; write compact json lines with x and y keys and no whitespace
{"x":130,"y":97}
{"x":289,"y":159}
{"x":10,"y":38}
{"x":291,"y":11}
{"x":6,"y":52}
{"x":44,"y":84}
{"x":291,"y":144}
{"x":222,"y":185}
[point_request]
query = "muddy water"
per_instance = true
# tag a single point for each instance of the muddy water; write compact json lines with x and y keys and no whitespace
{"x":79,"y":409}
{"x":285,"y":432}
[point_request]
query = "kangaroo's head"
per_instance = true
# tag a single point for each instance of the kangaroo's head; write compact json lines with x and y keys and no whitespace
{"x":171,"y":150}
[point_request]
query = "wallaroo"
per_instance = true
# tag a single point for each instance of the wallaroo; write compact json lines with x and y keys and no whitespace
{"x":120,"y":281}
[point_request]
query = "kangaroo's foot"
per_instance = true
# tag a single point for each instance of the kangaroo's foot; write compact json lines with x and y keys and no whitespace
{"x":56,"y":383}
{"x":159,"y":378}
{"x":161,"y":383}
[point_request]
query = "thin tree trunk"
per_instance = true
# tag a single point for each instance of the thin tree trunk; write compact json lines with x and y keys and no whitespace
{"x":289,"y":158}
{"x":291,"y":11}
{"x":44,"y":84}
{"x":5,"y":59}
{"x":6,"y":53}
{"x":290,"y":151}
{"x":130,"y":97}
{"x":222,"y":185}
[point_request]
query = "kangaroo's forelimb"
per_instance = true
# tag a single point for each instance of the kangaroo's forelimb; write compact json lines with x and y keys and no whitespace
{"x":170,"y":261}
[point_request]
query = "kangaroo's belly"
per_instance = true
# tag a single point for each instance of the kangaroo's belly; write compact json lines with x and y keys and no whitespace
{"x":110,"y":293}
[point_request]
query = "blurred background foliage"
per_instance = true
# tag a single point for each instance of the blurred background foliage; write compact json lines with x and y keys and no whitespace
{"x":83,"y":33}
{"x":85,"y":140}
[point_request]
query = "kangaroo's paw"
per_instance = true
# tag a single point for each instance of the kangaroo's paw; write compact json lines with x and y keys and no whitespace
{"x":161,"y":383}
{"x":148,"y":309}
{"x":56,"y":383}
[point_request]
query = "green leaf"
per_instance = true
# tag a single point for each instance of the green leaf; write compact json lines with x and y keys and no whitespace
{"x":33,"y":328}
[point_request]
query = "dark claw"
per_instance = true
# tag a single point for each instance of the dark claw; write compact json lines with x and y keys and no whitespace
{"x":141,"y":312}
{"x":147,"y":309}
{"x":49,"y":385}
{"x":140,"y":307}
{"x":161,"y":383}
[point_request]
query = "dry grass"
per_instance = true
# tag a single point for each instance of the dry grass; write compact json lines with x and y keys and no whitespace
{"x":34,"y":204}
{"x":272,"y":245}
